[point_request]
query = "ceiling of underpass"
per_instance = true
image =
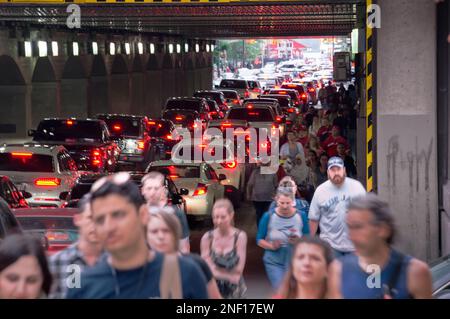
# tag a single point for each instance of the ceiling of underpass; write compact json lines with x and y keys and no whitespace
{"x":201,"y":20}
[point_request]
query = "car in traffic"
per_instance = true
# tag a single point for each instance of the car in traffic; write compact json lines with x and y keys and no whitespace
{"x":255,"y":89}
{"x":164,"y":137}
{"x":203,"y":185}
{"x":54,"y":225}
{"x":214,"y":110}
{"x":88,"y":141}
{"x":130,"y":132}
{"x":217,"y":96}
{"x":8,"y":222}
{"x":44,"y":171}
{"x":280,"y":117}
{"x":11,"y":195}
{"x":188,"y":104}
{"x":300,"y":89}
{"x":293,"y":94}
{"x":187,"y":119}
{"x":440,"y":274}
{"x":232,"y":97}
{"x":239,"y":85}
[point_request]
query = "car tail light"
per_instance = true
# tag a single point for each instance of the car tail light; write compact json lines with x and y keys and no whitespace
{"x":232,"y":164}
{"x":257,"y":90}
{"x":50,"y":181}
{"x":303,"y":95}
{"x":226,"y":124}
{"x":236,"y":101}
{"x":297,"y":102}
{"x":274,"y":126}
{"x":311,"y":90}
{"x":212,"y":113}
{"x":141,"y":145}
{"x":288,"y":122}
{"x":246,"y":94}
{"x":96,"y":157}
{"x":69,"y":122}
{"x":279,"y":119}
{"x":21,"y":154}
{"x":57,"y":236}
{"x":117,"y":127}
{"x":200,"y":190}
{"x":151,"y":123}
{"x":291,"y":110}
{"x":173,"y":176}
{"x":178,"y":118}
{"x":249,"y":106}
{"x":169,"y":137}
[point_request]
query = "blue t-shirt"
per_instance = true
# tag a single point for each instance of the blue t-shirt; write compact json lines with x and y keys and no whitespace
{"x":102,"y":282}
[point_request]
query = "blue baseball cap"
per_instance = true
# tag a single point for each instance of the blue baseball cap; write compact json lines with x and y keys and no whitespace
{"x":335,"y":161}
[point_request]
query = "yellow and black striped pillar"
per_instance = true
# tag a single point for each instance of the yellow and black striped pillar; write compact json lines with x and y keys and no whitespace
{"x":369,"y":103}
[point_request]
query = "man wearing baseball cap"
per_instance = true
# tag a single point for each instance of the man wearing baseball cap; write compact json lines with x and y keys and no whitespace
{"x":329,"y":207}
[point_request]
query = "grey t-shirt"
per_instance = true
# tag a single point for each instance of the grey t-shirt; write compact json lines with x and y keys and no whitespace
{"x":329,"y":207}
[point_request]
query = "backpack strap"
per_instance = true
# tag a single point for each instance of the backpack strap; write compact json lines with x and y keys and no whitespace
{"x":170,"y":286}
{"x":398,"y":259}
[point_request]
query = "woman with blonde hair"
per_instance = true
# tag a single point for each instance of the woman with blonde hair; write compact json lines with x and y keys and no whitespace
{"x":225,"y":250}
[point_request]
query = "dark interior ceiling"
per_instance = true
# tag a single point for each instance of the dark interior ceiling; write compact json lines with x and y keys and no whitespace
{"x":244,"y":19}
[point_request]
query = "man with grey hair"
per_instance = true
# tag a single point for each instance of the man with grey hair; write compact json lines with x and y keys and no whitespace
{"x":156,"y":194}
{"x":375,"y":270}
{"x":329,"y":207}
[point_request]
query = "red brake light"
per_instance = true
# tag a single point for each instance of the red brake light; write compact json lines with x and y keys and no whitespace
{"x":21,"y":154}
{"x":47,"y":181}
{"x":274,"y":126}
{"x":179,"y":118}
{"x":169,"y":137}
{"x":291,"y":110}
{"x":117,"y":127}
{"x":173,"y":176}
{"x":96,"y":157}
{"x":303,"y":95}
{"x":232,"y":164}
{"x":226,"y":124}
{"x":249,"y":106}
{"x":311,"y":90}
{"x":69,"y":122}
{"x":151,"y":123}
{"x":140,"y":145}
{"x":200,"y":190}
{"x":96,"y":153}
{"x":236,"y":101}
{"x":282,"y":92}
{"x":279,"y":119}
{"x":56,"y":236}
{"x":246,"y":94}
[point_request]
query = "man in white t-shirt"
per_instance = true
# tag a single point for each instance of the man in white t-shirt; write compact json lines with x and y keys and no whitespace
{"x":329,"y":207}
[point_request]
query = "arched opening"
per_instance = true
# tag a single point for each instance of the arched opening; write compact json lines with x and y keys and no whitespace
{"x":13,"y":99}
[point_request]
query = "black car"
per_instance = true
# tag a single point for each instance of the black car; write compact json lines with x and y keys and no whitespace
{"x":11,"y":195}
{"x":87,"y":140}
{"x":193,"y":104}
{"x":130,"y":132}
{"x":184,"y":118}
{"x":163,"y":136}
{"x":8,"y":222}
{"x":217,"y":96}
{"x":84,"y":184}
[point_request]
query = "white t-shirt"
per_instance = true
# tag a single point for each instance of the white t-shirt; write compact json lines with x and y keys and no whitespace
{"x":284,"y":151}
{"x":329,"y":207}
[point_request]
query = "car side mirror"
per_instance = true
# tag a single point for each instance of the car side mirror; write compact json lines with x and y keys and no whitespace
{"x":183,"y":191}
{"x":26,"y":194}
{"x":31,"y":132}
{"x":222,"y":177}
{"x":63,"y":195}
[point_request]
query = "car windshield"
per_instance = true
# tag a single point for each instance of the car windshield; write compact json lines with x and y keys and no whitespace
{"x":209,"y":95}
{"x":119,"y":127}
{"x":179,"y":171}
{"x":179,"y":117}
{"x":183,"y":105}
{"x":250,"y":115}
{"x":291,"y":94}
{"x":239,"y":84}
{"x":26,"y":162}
{"x":299,"y":88}
{"x":283,"y":102}
{"x":158,"y":129}
{"x":56,"y":130}
{"x":230,"y":95}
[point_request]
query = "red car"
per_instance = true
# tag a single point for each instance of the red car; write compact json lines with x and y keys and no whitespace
{"x":54,"y":225}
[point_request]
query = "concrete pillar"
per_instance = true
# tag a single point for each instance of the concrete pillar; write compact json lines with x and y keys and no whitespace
{"x":15,"y":112}
{"x":120,"y":94}
{"x":74,"y":98}
{"x":153,"y":98}
{"x":98,"y":95}
{"x":406,"y":121}
{"x":137,"y":93}
{"x":45,"y":98}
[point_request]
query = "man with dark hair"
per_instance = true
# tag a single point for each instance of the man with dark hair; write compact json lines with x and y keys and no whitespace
{"x":87,"y":251}
{"x":132,"y":270}
{"x":375,"y":270}
{"x":156,"y":195}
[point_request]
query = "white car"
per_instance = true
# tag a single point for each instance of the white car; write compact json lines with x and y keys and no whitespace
{"x":200,"y":179}
{"x":47,"y":172}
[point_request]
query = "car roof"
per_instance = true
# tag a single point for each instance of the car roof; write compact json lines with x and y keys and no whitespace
{"x":282,"y":96}
{"x":185,"y":98}
{"x":35,"y":147}
{"x":228,"y":90}
{"x":208,"y":91}
{"x":121,"y":116}
{"x":45,"y":212}
{"x":71,"y":118}
{"x":233,"y":80}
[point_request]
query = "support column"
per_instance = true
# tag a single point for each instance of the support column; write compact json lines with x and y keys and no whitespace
{"x":406,"y":121}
